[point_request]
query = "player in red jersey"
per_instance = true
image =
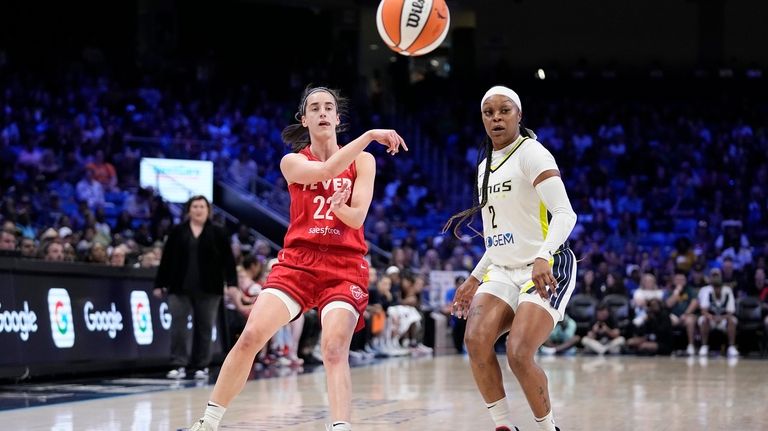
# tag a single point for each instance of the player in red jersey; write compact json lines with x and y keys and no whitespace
{"x":323,"y":263}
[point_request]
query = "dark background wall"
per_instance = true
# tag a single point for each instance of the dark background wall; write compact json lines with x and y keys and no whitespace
{"x":522,"y":32}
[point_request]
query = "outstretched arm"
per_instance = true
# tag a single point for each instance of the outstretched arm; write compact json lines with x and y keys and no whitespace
{"x":298,"y":169}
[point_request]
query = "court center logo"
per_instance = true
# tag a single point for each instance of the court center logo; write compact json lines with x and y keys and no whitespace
{"x":62,"y":321}
{"x":142,"y":319}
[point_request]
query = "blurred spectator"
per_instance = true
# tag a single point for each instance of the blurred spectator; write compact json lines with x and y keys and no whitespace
{"x":393,"y":272}
{"x":54,"y":211}
{"x":28,"y":248}
{"x":458,"y":326}
{"x":648,"y":290}
{"x":98,"y":254}
{"x":588,"y":286}
{"x":698,"y":279}
{"x":137,"y":204}
{"x":53,"y":251}
{"x":30,"y":156}
{"x":629,"y":202}
{"x":103,"y":230}
{"x":7,"y":241}
{"x":117,"y":256}
{"x":25,"y":226}
{"x":718,"y":306}
{"x":655,"y":334}
{"x":243,"y":170}
{"x":103,"y":171}
{"x":604,"y":335}
{"x":49,"y":167}
{"x":732,"y":277}
{"x":62,"y":187}
{"x":683,"y":255}
{"x":759,"y":284}
{"x":124,"y":223}
{"x":50,"y":234}
{"x":613,"y":285}
{"x":243,"y":239}
{"x":90,"y":191}
{"x":682,"y":301}
{"x":86,"y":241}
{"x":413,"y":337}
{"x":563,"y":339}
{"x":149,"y":259}
{"x":69,"y":253}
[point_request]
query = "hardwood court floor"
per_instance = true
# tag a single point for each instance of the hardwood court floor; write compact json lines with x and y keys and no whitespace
{"x":589,"y":393}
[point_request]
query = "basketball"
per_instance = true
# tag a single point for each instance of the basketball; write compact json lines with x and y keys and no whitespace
{"x":413,"y":27}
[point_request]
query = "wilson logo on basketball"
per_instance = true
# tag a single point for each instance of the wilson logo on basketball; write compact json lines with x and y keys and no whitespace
{"x":357,"y":292}
{"x":417,"y":9}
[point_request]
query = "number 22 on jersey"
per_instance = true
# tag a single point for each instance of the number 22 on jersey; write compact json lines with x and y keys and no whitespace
{"x":321,"y":202}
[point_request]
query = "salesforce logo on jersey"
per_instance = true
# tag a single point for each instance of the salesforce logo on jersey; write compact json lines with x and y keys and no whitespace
{"x":499,"y":240}
{"x":325,"y":230}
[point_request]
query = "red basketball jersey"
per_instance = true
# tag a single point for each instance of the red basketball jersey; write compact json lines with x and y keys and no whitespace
{"x":313,"y":224}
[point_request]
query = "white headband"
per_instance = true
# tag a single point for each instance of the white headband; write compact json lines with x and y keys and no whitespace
{"x":504,"y":91}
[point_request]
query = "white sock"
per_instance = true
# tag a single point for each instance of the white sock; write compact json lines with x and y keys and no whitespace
{"x":547,"y":423}
{"x":341,"y":426}
{"x":500,"y":413}
{"x":213,"y":414}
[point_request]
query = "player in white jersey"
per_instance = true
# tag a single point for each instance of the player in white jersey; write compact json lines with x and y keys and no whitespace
{"x":527,"y":272}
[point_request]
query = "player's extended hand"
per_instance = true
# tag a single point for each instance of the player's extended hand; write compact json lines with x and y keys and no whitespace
{"x":389,"y":138}
{"x":463,"y":298}
{"x":543,"y":278}
{"x":340,"y":197}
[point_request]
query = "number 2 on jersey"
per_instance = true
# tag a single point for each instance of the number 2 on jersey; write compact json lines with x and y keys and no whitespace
{"x":493,"y":216}
{"x":321,"y":201}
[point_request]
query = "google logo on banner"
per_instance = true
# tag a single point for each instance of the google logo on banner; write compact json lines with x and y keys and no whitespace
{"x":165,"y":316}
{"x":21,"y":321}
{"x":142,"y":319}
{"x":110,"y":321}
{"x":62,"y":322}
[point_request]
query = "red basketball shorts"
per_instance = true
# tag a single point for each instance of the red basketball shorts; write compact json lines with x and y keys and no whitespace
{"x":315,"y":278}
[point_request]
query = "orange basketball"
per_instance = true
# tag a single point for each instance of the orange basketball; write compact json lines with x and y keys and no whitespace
{"x":413,"y":27}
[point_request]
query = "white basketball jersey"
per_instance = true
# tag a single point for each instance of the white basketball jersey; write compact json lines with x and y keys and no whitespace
{"x":515,"y":220}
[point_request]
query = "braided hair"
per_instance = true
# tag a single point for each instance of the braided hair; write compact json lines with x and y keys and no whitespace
{"x":486,"y":152}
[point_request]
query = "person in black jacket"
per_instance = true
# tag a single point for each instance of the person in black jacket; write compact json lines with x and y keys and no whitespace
{"x":197,"y":261}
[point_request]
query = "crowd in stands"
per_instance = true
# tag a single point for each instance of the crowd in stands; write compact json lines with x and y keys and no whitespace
{"x":668,"y":194}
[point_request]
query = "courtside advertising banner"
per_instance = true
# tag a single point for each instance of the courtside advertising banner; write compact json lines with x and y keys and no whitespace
{"x":50,"y":322}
